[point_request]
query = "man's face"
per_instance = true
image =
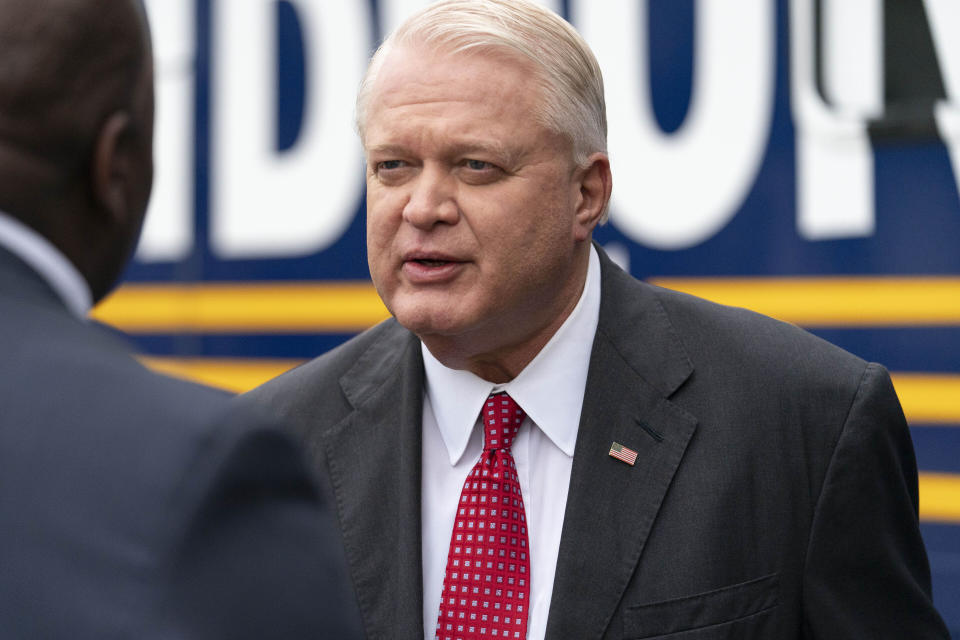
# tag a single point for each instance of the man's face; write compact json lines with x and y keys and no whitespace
{"x":472,"y":233}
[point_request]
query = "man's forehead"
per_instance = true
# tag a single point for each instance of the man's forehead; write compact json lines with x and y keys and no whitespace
{"x":407,"y":61}
{"x":452,"y":101}
{"x":450,"y":129}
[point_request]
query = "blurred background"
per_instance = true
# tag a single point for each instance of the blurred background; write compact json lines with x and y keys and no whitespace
{"x":797,"y":157}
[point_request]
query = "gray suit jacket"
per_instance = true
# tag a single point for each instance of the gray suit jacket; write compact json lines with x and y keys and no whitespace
{"x":774,"y":494}
{"x":137,"y":506}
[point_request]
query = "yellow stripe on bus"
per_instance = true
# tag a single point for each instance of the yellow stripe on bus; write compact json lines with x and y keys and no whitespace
{"x":345,"y":307}
{"x":233,"y":374}
{"x":940,"y":497}
{"x":869,"y":301}
{"x":351,"y":306}
{"x":927,"y":398}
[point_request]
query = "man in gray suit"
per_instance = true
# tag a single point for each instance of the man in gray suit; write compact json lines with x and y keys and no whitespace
{"x":131,"y":505}
{"x":681,"y":469}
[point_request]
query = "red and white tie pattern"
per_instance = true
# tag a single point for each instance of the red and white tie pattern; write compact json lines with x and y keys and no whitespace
{"x":487,"y":584}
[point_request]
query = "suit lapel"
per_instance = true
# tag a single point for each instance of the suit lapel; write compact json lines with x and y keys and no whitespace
{"x":636,"y":363}
{"x":373,"y":456}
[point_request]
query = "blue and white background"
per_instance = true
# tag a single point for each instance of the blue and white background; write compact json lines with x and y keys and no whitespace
{"x":799,"y":157}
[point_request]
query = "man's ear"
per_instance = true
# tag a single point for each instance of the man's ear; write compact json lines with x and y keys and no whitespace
{"x":595,"y":183}
{"x":112,"y":166}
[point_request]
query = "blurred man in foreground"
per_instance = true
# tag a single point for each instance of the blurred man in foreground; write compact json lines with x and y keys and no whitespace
{"x":131,"y":505}
{"x":539,"y":446}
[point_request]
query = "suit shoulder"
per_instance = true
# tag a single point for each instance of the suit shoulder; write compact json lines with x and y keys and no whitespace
{"x":106,"y":459}
{"x":744,"y":337}
{"x":84,"y":386}
{"x":367,"y":358}
{"x":648,"y":320}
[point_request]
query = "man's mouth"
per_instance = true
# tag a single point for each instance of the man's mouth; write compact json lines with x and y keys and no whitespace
{"x":429,"y":258}
{"x":430,"y":267}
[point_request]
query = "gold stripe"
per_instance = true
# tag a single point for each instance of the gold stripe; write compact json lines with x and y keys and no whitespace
{"x":940,"y":497}
{"x":932,"y":399}
{"x":353,"y":306}
{"x":872,"y":301}
{"x":233,"y":374}
{"x":345,"y":307}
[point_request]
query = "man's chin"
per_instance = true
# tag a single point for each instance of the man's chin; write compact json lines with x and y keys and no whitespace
{"x":428,"y":313}
{"x":426,"y":325}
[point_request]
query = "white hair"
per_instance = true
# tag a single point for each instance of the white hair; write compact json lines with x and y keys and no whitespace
{"x":572,"y":102}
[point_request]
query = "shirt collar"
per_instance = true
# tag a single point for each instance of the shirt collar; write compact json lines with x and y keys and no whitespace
{"x":44,"y":258}
{"x":550,"y":389}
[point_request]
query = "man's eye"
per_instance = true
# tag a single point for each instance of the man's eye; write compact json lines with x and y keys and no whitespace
{"x":478,"y":165}
{"x":388,"y":165}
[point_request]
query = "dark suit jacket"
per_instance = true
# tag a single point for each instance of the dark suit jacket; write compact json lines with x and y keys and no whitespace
{"x":774,"y":493}
{"x":137,"y":506}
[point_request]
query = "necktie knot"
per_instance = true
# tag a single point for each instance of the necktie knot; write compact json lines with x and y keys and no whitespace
{"x":502,"y":418}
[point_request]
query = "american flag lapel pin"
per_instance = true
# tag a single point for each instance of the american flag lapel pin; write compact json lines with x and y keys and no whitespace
{"x":623,"y":454}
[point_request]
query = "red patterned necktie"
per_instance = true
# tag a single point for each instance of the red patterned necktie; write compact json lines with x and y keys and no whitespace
{"x":487,"y":584}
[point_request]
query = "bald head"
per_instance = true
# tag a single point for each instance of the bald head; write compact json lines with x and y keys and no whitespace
{"x":64,"y":66}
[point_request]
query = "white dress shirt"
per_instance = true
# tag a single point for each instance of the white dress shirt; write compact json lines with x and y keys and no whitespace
{"x":46,"y":260}
{"x":550,"y":390}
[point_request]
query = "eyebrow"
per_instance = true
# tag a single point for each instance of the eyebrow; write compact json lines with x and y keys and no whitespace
{"x":387,"y":149}
{"x":503,"y":153}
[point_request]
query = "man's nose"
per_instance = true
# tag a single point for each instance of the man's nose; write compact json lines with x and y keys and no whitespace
{"x":432,"y":199}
